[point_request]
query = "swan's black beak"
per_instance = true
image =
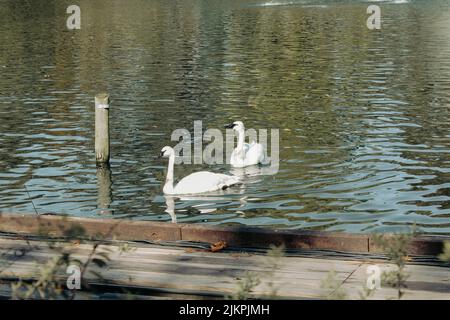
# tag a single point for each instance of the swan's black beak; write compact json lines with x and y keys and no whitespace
{"x":160,"y":155}
{"x":229,"y":126}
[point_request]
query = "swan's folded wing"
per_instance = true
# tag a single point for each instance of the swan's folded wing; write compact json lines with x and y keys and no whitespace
{"x":255,"y":154}
{"x":204,"y":181}
{"x":230,"y":180}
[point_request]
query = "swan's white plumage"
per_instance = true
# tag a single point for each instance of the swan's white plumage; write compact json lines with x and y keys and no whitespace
{"x":204,"y":181}
{"x":246,"y":154}
{"x":252,"y":154}
{"x":198,"y":182}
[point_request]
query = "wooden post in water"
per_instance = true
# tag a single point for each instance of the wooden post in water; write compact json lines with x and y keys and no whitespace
{"x":102,"y":128}
{"x":104,"y":190}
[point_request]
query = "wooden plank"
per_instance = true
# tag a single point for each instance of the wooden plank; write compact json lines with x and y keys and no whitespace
{"x":212,"y":262}
{"x":57,"y":226}
{"x":226,"y":261}
{"x":302,"y":271}
{"x":261,"y":237}
{"x":142,"y":269}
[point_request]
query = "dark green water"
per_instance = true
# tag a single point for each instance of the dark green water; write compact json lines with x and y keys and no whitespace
{"x":363,"y":114}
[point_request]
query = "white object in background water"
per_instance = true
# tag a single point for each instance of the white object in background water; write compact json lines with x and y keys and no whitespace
{"x":245,"y":154}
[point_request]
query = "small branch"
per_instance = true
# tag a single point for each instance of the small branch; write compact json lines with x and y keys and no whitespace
{"x":29,"y":197}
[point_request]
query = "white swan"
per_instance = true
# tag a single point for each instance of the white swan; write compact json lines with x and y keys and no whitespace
{"x":197,"y":182}
{"x":245,"y":154}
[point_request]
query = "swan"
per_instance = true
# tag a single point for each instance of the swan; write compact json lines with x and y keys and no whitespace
{"x":197,"y":182}
{"x":245,"y":154}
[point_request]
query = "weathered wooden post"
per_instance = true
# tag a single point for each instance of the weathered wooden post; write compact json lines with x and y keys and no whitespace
{"x":102,"y":128}
{"x":102,"y":153}
{"x":104,"y":190}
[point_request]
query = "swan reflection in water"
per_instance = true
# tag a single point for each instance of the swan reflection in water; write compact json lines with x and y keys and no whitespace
{"x":209,"y":202}
{"x":249,"y":174}
{"x":170,"y":207}
{"x":205,"y":204}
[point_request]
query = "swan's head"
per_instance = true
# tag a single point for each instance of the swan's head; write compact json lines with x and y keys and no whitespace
{"x":237,"y":125}
{"x":166,"y":152}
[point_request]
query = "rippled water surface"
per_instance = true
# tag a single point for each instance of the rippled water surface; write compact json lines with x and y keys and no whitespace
{"x":363,"y":115}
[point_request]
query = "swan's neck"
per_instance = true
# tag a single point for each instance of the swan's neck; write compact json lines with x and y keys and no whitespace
{"x":240,"y":145}
{"x":168,"y":186}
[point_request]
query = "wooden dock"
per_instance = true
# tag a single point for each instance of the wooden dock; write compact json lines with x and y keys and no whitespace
{"x":164,"y":263}
{"x":183,"y":272}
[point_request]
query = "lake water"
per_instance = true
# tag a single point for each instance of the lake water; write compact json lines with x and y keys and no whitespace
{"x":363,"y":114}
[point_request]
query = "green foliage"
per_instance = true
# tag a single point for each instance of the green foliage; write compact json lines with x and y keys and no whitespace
{"x":251,"y":280}
{"x":335,"y":291}
{"x":125,"y":248}
{"x":50,"y":280}
{"x":272,"y":264}
{"x":445,"y":255}
{"x":75,"y":232}
{"x":333,"y":287}
{"x":366,"y":293}
{"x":396,"y":248}
{"x":46,"y":285}
{"x":245,"y":286}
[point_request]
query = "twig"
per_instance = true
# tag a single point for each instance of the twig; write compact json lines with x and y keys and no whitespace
{"x":29,"y":197}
